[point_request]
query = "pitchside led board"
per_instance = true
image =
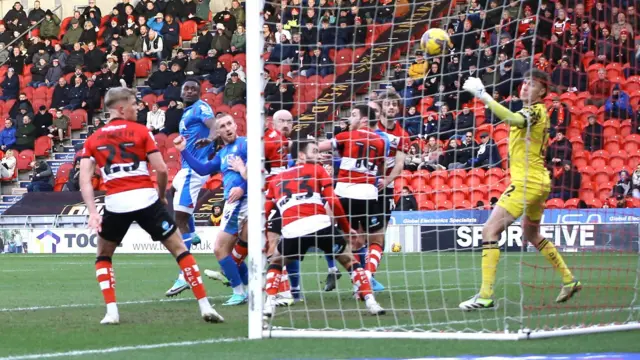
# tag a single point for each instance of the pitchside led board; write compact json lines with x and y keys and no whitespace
{"x":572,"y":230}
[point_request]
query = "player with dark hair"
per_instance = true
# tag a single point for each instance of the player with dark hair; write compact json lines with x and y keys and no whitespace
{"x":124,"y":151}
{"x":300,"y":194}
{"x":529,"y":188}
{"x":197,"y":124}
{"x":362,"y":151}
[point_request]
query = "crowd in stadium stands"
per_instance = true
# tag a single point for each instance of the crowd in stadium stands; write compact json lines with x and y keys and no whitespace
{"x":53,"y":80}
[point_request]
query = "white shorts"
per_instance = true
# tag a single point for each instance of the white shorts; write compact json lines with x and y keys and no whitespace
{"x":187,"y":184}
{"x":233,"y":216}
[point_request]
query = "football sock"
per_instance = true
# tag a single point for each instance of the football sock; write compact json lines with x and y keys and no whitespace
{"x":285,"y":285}
{"x":106,"y":280}
{"x":274,"y":273}
{"x":191,"y":224}
{"x":361,"y":255}
{"x":240,"y":251}
{"x":373,"y":260}
{"x":187,"y":240}
{"x":293,"y":270}
{"x":331,"y":263}
{"x":243,"y":270}
{"x":360,"y":280}
{"x":191,"y":272}
{"x":490,"y":258}
{"x":549,"y":251}
{"x":230,"y":270}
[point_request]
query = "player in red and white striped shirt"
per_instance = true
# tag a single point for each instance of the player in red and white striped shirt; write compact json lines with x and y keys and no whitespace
{"x":124,"y":152}
{"x":300,"y":194}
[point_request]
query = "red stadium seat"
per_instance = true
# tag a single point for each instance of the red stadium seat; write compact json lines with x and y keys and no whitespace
{"x":143,"y":67}
{"x":440,"y":193}
{"x":226,"y":61}
{"x":618,"y":159}
{"x":24,"y":159}
{"x":604,"y":175}
{"x":457,"y":178}
{"x":599,"y":159}
{"x":241,"y":59}
{"x":444,"y":205}
{"x":571,"y":203}
{"x":611,"y":127}
{"x":554,"y":204}
{"x":438,"y":177}
{"x":581,"y":158}
{"x":43,"y":146}
{"x":188,"y":30}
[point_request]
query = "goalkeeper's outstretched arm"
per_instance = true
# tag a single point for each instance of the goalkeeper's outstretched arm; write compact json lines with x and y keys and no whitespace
{"x":476,"y":88}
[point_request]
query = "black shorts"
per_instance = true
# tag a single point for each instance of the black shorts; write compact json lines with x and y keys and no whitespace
{"x":387,"y":203}
{"x":329,"y":240}
{"x":274,"y":222}
{"x":154,"y":219}
{"x":365,"y":214}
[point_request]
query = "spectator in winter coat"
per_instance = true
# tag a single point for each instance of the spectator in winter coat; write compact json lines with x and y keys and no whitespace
{"x":54,"y":73}
{"x":193,"y":65}
{"x":94,"y":58}
{"x":172,"y":117}
{"x":445,"y":123}
{"x":22,"y":101}
{"x":412,"y":121}
{"x":60,"y":97}
{"x":143,"y":110}
{"x":221,"y":40}
{"x":42,"y":180}
{"x":171,"y":93}
{"x":7,"y":135}
{"x":60,"y":128}
{"x":238,"y":69}
{"x":635,"y":183}
{"x":127,"y":70}
{"x":406,"y":202}
{"x":75,"y":59}
{"x":465,"y":121}
{"x":218,"y":78}
{"x":566,"y":182}
{"x":239,"y":40}
{"x":158,"y":81}
{"x":452,"y":158}
{"x":618,"y":105}
{"x":41,"y":54}
{"x":155,"y":119}
{"x":8,"y":165}
{"x":43,"y":120}
{"x":128,"y":41}
{"x":10,"y":85}
{"x":318,"y":64}
{"x":89,"y":34}
{"x":153,"y":46}
{"x":77,"y":94}
{"x":72,"y":35}
{"x":4,"y":54}
{"x":409,"y":93}
{"x":600,"y":89}
{"x":203,"y":44}
{"x":156,"y":23}
{"x":418,"y":70}
{"x":559,"y":116}
{"x":624,"y":185}
{"x":26,"y":135}
{"x":170,"y":33}
{"x":559,"y":150}
{"x":16,"y":61}
{"x":59,"y":54}
{"x":234,"y":91}
{"x":488,"y":155}
{"x":50,"y":27}
{"x":16,"y":12}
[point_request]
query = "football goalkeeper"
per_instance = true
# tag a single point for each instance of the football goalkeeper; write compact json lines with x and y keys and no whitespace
{"x":529,"y":188}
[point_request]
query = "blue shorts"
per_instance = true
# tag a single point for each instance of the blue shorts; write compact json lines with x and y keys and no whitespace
{"x":187,"y":184}
{"x":233,"y":216}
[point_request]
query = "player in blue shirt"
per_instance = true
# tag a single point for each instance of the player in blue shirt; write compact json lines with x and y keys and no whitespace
{"x":197,"y":123}
{"x":235,"y":207}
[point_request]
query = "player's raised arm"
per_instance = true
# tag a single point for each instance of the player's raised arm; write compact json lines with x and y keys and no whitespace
{"x":208,"y":168}
{"x":476,"y":88}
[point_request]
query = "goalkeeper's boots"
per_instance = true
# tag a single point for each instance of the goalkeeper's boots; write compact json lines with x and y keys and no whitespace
{"x":568,"y":290}
{"x":195,"y":239}
{"x":236,"y":299}
{"x":110,"y":319}
{"x":297,"y":295}
{"x":179,"y":286}
{"x":269,"y":307}
{"x":476,"y":303}
{"x":373,"y":307}
{"x":332,"y":279}
{"x":284,"y":299}
{"x":217,"y":275}
{"x":375,"y":285}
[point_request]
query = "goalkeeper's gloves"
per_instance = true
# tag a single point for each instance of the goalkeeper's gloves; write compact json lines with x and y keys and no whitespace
{"x":476,"y":88}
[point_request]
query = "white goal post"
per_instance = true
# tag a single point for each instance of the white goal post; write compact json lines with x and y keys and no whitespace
{"x":438,"y":265}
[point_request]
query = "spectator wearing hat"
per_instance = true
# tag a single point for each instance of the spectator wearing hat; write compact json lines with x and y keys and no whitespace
{"x":10,"y":86}
{"x":92,"y":7}
{"x":26,"y":134}
{"x":22,"y":101}
{"x":158,"y":81}
{"x":592,"y":134}
{"x":42,"y":121}
{"x":623,"y":50}
{"x":156,"y":23}
{"x":487,"y":155}
{"x":418,"y":68}
{"x":54,"y":73}
{"x":559,"y":116}
{"x":234,"y":91}
{"x":23,"y":110}
{"x":566,"y":182}
{"x":221,"y":39}
{"x":106,"y":79}
{"x":72,"y":35}
{"x":239,"y":40}
{"x":7,"y":135}
{"x":559,"y":150}
{"x":203,"y":45}
{"x":153,"y":46}
{"x":50,"y":26}
{"x":618,"y":105}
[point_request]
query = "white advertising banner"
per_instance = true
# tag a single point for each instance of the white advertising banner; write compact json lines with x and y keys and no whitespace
{"x":82,"y":241}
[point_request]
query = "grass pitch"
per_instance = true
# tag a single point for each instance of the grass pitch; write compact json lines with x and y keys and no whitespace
{"x":50,"y":306}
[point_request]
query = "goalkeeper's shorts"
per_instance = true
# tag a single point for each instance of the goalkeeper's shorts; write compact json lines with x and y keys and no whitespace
{"x":329,"y":240}
{"x":529,"y":200}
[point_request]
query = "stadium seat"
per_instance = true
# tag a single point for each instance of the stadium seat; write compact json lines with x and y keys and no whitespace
{"x":459,"y":194}
{"x":24,"y":159}
{"x":612,"y":144}
{"x":493,"y":176}
{"x":632,"y":84}
{"x":438,"y":178}
{"x":610,"y":128}
{"x":475,"y":177}
{"x":500,"y":132}
{"x":419,"y":185}
{"x":587,"y":195}
{"x":581,"y":158}
{"x":161,"y":140}
{"x":444,"y":205}
{"x":172,"y":154}
{"x":625,"y":128}
{"x":554,"y":204}
{"x":440,"y":193}
{"x":599,"y":159}
{"x":188,"y":30}
{"x":604,"y":175}
{"x":424,"y":204}
{"x":457,"y":178}
{"x":143,"y":67}
{"x":43,"y":145}
{"x":226,"y":61}
{"x":571,"y":203}
{"x":462,"y":205}
{"x":241,"y":59}
{"x":618,"y":159}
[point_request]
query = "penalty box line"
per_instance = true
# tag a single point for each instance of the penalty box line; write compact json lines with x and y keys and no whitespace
{"x":123,"y":349}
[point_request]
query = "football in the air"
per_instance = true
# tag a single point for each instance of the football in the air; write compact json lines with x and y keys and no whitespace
{"x":434,"y":41}
{"x":396,"y":247}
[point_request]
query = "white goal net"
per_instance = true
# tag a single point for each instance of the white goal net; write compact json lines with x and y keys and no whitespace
{"x":321,"y":59}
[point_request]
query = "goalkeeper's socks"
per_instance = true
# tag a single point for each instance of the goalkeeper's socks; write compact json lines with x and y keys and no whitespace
{"x":186,"y":238}
{"x":243,"y":270}
{"x":191,"y":224}
{"x":373,"y":260}
{"x":549,"y":251}
{"x":191,"y":273}
{"x":107,"y":282}
{"x":285,"y":285}
{"x":293,"y":269}
{"x":274,"y":274}
{"x":240,"y":251}
{"x":230,"y":269}
{"x":361,"y":255}
{"x":331,"y":263}
{"x":490,"y":259}
{"x":360,"y":281}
